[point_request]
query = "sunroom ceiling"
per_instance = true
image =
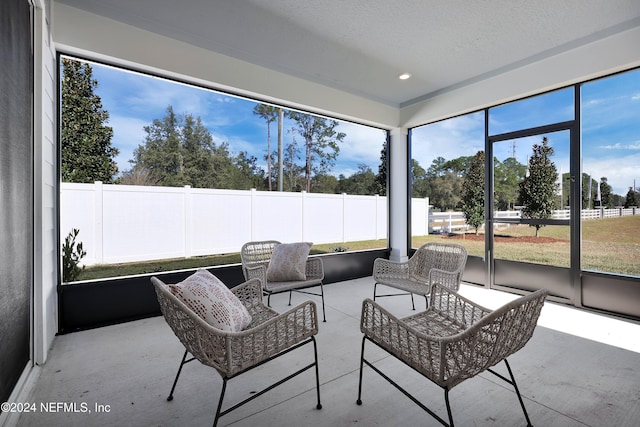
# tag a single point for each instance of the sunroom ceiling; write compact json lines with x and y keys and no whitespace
{"x":362,"y":46}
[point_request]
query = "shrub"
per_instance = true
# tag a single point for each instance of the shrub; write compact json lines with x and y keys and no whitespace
{"x":72,"y":253}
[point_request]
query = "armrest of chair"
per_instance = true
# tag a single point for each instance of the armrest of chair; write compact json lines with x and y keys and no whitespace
{"x":374,"y":318}
{"x":314,"y":268}
{"x":454,"y":306}
{"x":417,"y":349}
{"x":252,"y":346}
{"x":387,"y":269}
{"x":257,"y":272}
{"x":249,"y":293}
{"x":303,"y":318}
{"x":450,"y":279}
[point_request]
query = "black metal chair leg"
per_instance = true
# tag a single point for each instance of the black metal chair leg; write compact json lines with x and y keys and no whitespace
{"x":446,"y":399}
{"x":324,"y":315}
{"x":315,"y":355}
{"x":515,"y":386}
{"x":175,"y":381}
{"x":412,"y":303}
{"x":375,"y":286}
{"x":224,"y":388}
{"x":290,"y":292}
{"x":359,"y":401}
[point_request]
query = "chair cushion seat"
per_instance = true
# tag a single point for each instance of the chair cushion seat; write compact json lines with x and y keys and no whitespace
{"x":407,"y":285}
{"x":275,"y":287}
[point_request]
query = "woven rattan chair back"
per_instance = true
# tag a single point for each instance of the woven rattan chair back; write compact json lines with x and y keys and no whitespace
{"x":433,"y":262}
{"x":442,"y":256}
{"x":255,"y":258}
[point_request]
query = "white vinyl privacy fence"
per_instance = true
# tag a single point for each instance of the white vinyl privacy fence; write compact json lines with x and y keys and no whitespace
{"x":126,"y":223}
{"x":122,"y":223}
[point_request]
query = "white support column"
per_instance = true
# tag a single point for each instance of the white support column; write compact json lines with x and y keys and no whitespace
{"x":398,"y":194}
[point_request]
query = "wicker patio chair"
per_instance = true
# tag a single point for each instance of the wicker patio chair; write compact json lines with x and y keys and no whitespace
{"x":453,"y":340}
{"x":432,"y":263}
{"x":255,"y":262}
{"x":268,"y":336}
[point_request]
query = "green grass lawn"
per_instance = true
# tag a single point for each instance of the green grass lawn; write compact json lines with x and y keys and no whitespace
{"x":608,"y":245}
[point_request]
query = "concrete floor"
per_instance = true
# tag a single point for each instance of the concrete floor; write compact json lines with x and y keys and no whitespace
{"x":579,"y":369}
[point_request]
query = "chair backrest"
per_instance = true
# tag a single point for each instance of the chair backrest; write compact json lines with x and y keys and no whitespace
{"x":188,"y":327}
{"x":507,"y":329}
{"x":254,"y":254}
{"x":443,"y":256}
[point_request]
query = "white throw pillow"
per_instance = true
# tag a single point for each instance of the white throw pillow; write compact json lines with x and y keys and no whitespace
{"x":210,"y":299}
{"x":288,"y":262}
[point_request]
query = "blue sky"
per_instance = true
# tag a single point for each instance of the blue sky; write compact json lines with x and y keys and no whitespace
{"x":135,"y":100}
{"x":610,"y":130}
{"x":610,"y":121}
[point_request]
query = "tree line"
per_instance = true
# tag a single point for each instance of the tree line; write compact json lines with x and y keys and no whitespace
{"x":179,"y":150}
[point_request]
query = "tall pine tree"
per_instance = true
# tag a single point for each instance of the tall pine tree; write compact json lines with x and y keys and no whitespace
{"x":87,"y":153}
{"x":473,"y":192}
{"x":539,"y":188}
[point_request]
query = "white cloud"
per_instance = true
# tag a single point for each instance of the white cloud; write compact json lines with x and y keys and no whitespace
{"x":619,"y":171}
{"x":450,"y":139}
{"x":618,"y":146}
{"x":362,"y":144}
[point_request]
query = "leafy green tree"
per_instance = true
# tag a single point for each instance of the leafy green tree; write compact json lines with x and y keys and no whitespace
{"x":419,"y":180}
{"x":632,"y":198}
{"x":137,"y":176}
{"x":459,"y":166}
{"x":321,"y":141}
{"x":539,"y":188}
{"x":437,"y":167}
{"x":162,"y":151}
{"x":445,"y":190}
{"x":87,"y":153}
{"x":179,"y":150}
{"x":606,"y":201}
{"x":196,"y":146}
{"x":473,"y":192}
{"x":506,"y":177}
{"x":381,"y":176}
{"x":361,"y":182}
{"x":325,"y":183}
{"x":246,"y":174}
{"x":617,"y":200}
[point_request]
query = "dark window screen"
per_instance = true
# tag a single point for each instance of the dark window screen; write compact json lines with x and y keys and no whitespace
{"x":16,"y":191}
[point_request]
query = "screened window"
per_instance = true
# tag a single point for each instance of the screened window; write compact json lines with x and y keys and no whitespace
{"x":610,"y":174}
{"x":143,"y":154}
{"x":443,"y":154}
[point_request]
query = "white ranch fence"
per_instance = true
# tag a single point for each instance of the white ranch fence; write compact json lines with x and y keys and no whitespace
{"x":127,"y":223}
{"x":444,"y":222}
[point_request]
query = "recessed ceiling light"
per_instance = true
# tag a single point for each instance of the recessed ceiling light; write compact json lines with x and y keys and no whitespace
{"x":404,"y":76}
